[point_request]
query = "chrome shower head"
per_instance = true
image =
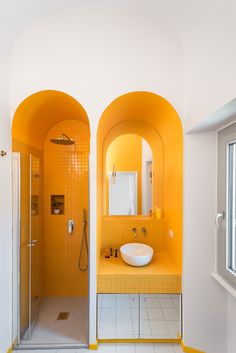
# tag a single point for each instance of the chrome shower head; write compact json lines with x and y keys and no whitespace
{"x":63,"y":140}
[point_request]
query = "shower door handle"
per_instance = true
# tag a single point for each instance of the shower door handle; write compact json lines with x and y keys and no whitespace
{"x":32,"y":243}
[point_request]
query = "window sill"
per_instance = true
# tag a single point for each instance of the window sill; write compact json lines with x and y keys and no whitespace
{"x":224,"y":284}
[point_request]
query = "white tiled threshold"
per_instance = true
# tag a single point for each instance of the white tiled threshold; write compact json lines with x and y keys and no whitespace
{"x":120,"y":348}
{"x":49,"y":330}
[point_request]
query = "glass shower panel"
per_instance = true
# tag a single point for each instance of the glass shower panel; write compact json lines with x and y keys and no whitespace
{"x":30,"y":244}
{"x":24,"y":249}
{"x":35,"y":240}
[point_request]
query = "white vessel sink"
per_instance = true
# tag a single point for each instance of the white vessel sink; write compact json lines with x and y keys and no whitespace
{"x":136,"y":254}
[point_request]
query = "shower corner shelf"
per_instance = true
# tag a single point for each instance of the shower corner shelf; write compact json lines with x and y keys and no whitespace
{"x":57,"y":205}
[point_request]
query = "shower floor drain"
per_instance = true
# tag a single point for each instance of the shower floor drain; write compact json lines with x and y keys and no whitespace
{"x":63,"y":315}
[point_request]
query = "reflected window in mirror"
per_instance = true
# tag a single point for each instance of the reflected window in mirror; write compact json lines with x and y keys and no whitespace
{"x":129,"y":176}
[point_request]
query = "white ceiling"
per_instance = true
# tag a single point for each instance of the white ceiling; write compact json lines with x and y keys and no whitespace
{"x":181,"y":16}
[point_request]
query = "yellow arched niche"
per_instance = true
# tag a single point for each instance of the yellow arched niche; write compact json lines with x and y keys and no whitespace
{"x":40,"y":111}
{"x":143,"y":113}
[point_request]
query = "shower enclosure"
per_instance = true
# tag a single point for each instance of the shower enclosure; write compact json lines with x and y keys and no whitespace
{"x":50,"y":190}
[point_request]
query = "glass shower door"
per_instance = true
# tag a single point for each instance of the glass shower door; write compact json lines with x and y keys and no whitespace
{"x":29,"y":246}
{"x":35,"y":242}
{"x":24,"y":253}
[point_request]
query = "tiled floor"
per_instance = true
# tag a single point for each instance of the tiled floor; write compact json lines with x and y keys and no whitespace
{"x":133,"y":316}
{"x":120,"y":348}
{"x":49,"y":330}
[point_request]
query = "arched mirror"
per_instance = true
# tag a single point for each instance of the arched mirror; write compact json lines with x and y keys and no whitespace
{"x":129,"y":176}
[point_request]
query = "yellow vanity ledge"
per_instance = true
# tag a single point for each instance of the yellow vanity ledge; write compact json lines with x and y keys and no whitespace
{"x":160,"y":276}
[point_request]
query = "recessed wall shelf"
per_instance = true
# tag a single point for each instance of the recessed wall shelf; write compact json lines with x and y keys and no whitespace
{"x":34,"y":205}
{"x":57,"y":204}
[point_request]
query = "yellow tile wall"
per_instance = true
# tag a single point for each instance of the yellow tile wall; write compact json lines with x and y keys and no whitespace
{"x":116,"y":231}
{"x":65,"y":173}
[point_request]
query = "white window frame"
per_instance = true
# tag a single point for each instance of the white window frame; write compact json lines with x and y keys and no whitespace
{"x":224,"y":275}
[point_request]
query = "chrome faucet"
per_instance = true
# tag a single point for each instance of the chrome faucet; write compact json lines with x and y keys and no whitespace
{"x":144,"y":230}
{"x":134,"y":230}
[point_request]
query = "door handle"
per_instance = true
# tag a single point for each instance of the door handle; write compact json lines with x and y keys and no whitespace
{"x":32,"y":243}
{"x":219,"y":216}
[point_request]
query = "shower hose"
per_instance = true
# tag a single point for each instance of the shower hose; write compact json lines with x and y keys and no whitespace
{"x":84,"y":243}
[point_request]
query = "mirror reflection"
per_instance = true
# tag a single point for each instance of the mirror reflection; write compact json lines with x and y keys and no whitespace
{"x":129,"y":176}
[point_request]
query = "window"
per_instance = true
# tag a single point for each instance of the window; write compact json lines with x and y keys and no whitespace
{"x":226,"y":205}
{"x":231,"y":206}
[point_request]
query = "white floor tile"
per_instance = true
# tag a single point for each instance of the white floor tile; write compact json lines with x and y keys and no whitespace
{"x":164,"y":348}
{"x":177,"y":348}
{"x":105,"y":348}
{"x":67,"y":350}
{"x":42,"y":351}
{"x":144,"y":348}
{"x":125,"y":348}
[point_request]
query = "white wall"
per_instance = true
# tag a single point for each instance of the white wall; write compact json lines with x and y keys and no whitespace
{"x":205,"y":302}
{"x":210,"y":62}
{"x":5,"y":208}
{"x":231,"y":322}
{"x":99,"y":51}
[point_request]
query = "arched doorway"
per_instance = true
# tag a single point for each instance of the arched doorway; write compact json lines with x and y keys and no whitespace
{"x":50,"y":144}
{"x":153,"y":119}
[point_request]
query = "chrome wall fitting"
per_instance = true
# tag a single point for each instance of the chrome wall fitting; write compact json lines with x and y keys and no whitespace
{"x":3,"y":153}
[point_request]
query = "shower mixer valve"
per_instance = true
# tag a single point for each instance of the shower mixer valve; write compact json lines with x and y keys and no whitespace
{"x":70,"y":226}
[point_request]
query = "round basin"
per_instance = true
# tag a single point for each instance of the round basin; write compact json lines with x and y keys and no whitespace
{"x":136,"y":254}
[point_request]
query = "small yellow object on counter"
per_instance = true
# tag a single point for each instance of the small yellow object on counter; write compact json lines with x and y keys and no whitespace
{"x":157,"y":213}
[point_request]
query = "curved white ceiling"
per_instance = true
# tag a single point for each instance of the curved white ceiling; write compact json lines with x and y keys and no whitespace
{"x":180,"y":16}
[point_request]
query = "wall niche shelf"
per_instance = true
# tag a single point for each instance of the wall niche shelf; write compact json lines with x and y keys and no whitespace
{"x":57,"y":205}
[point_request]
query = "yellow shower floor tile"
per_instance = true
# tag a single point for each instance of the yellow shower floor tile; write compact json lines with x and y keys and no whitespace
{"x":160,"y":276}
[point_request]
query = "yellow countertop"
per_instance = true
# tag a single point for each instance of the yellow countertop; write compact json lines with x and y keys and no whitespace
{"x":161,"y":275}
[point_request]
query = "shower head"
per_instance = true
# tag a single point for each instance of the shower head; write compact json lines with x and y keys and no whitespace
{"x":63,"y":140}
